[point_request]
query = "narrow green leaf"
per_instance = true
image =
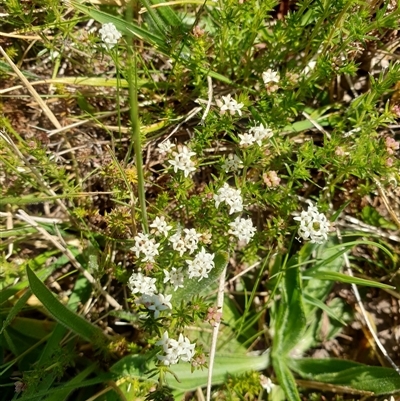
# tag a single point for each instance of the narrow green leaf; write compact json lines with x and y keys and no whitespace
{"x":196,"y":287}
{"x":99,"y":379}
{"x":286,"y":379}
{"x":160,"y":24}
{"x":16,"y":309}
{"x":64,"y":315}
{"x":17,"y":232}
{"x":61,"y":394}
{"x":319,"y":304}
{"x":167,"y":14}
{"x":137,"y":366}
{"x":291,"y":321}
{"x":344,"y":278}
{"x":376,"y":379}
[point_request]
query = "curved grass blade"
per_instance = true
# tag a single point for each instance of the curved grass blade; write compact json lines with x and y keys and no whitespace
{"x":344,"y":278}
{"x":63,"y":315}
{"x":376,"y":379}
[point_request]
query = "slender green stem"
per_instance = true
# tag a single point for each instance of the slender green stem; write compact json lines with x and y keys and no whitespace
{"x":135,"y":126}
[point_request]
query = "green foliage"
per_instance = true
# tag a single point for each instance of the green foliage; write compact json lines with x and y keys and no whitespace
{"x":62,"y":314}
{"x":329,"y":116}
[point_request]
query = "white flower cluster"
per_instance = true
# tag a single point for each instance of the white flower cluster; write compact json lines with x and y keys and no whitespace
{"x":232,"y":163}
{"x":231,"y":197}
{"x":201,"y":265}
{"x":138,"y":283}
{"x":229,"y":104}
{"x":242,"y":229}
{"x":146,"y":246}
{"x":156,"y":303}
{"x":314,"y":226}
{"x":182,"y":160}
{"x":109,"y":35}
{"x":256,"y":135}
{"x":160,"y":226}
{"x":186,"y":243}
{"x":175,"y":277}
{"x":175,"y":350}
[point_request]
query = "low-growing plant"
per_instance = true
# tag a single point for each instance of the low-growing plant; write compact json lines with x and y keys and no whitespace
{"x":196,"y":149}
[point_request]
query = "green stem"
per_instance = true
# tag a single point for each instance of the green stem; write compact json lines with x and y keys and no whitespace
{"x":134,"y":116}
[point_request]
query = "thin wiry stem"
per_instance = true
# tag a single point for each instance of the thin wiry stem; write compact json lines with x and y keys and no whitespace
{"x":220,"y":303}
{"x":135,"y":126}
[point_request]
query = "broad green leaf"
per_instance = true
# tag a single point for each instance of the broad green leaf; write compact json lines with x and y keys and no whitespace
{"x":376,"y":379}
{"x":327,"y":259}
{"x":290,"y":322}
{"x":137,"y":366}
{"x":196,"y":287}
{"x":344,"y":278}
{"x":64,"y":315}
{"x":286,"y":379}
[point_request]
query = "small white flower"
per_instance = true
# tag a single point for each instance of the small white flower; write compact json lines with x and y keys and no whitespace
{"x":175,"y":277}
{"x":232,"y":163}
{"x":229,"y":104}
{"x":242,"y":229}
{"x":314,"y":226}
{"x":231,"y":197}
{"x":184,"y":347}
{"x":182,"y":161}
{"x":260,"y":133}
{"x":158,"y":303}
{"x":201,"y":265}
{"x":178,"y":244}
{"x":146,"y":246}
{"x":191,"y":239}
{"x":246,"y":139}
{"x":266,"y":383}
{"x":138,"y":283}
{"x":109,"y":35}
{"x":164,"y":342}
{"x":160,"y":226}
{"x":165,"y":147}
{"x":175,"y":350}
{"x":270,"y":76}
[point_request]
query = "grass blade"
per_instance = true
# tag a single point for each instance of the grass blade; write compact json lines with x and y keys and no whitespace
{"x":64,"y":315}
